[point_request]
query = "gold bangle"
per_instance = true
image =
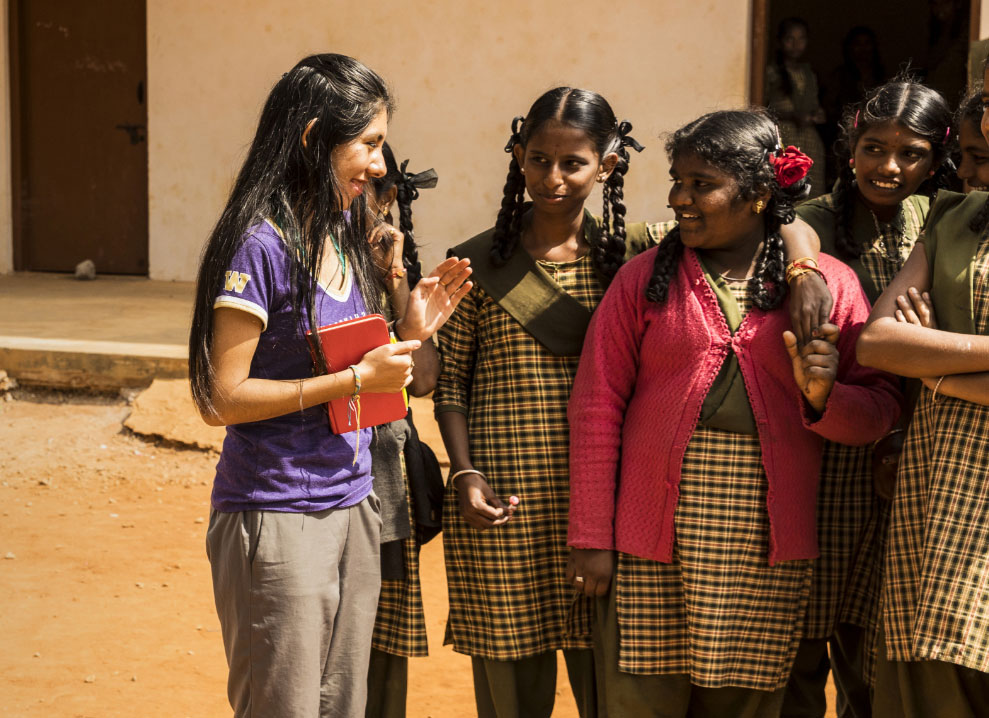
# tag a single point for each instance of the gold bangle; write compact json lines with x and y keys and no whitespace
{"x":463,"y":472}
{"x":805,"y":260}
{"x":936,"y":387}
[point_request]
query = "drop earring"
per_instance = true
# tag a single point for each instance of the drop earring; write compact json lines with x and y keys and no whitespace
{"x":759,"y":206}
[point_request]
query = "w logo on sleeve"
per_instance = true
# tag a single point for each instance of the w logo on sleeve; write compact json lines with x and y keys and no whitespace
{"x":236,"y":281}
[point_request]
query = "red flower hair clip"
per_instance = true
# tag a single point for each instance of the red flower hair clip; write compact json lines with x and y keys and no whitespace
{"x":790,"y":166}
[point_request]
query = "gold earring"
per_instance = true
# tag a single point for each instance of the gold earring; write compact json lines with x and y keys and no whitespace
{"x":759,"y":206}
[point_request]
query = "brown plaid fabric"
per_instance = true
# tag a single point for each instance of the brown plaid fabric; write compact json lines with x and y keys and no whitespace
{"x":719,"y":613}
{"x":851,"y":519}
{"x":892,"y":243}
{"x":936,"y":605}
{"x":508,"y":596}
{"x":400,"y":624}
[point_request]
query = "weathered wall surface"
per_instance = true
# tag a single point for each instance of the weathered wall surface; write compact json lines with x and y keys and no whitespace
{"x":460,"y":71}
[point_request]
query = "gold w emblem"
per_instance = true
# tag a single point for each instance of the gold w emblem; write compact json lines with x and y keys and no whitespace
{"x":236,"y":281}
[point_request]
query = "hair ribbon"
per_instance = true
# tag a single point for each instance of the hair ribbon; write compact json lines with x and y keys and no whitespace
{"x":516,"y":138}
{"x":624,"y":127}
{"x":412,"y":182}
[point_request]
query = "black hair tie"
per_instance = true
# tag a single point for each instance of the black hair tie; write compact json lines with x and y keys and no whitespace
{"x":516,"y":138}
{"x":624,"y":127}
{"x":412,"y":182}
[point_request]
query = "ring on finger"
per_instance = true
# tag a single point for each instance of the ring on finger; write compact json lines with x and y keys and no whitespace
{"x":578,"y":579}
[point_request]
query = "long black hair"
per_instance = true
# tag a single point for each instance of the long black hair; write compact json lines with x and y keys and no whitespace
{"x":590,"y":113}
{"x":785,"y":25}
{"x":902,"y":101}
{"x":407,"y":185}
{"x":294,"y":185}
{"x":738,"y":143}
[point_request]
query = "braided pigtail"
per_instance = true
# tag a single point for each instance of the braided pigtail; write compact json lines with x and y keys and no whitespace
{"x":609,"y":254}
{"x":408,"y":191}
{"x":508,"y":227}
{"x":664,"y":266}
{"x":844,"y":197}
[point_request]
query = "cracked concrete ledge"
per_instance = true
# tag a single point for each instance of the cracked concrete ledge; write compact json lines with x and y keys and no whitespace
{"x":81,"y":364}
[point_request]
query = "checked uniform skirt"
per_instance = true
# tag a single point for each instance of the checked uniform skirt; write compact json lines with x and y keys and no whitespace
{"x":719,"y":612}
{"x":400,"y":624}
{"x":936,"y":595}
{"x":508,"y":595}
{"x":851,"y":519}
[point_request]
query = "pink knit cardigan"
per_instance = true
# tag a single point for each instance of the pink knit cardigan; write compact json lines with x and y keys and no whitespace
{"x":644,"y":373}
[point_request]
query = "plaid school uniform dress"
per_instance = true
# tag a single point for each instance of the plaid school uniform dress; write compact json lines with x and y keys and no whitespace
{"x":508,"y":595}
{"x":851,"y":519}
{"x":936,"y":605}
{"x":719,"y":613}
{"x":400,"y":624}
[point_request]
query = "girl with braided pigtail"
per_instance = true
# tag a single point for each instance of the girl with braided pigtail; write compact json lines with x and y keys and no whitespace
{"x":893,"y":148}
{"x":407,"y":479}
{"x":697,"y":423}
{"x":507,"y":366}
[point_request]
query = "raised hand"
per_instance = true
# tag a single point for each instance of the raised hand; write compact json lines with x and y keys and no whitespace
{"x":434,"y":299}
{"x":815,"y":365}
{"x":387,"y":244}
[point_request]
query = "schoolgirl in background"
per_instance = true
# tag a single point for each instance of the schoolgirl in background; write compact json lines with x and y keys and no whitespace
{"x":793,"y":96}
{"x":973,"y":166}
{"x":508,"y":361}
{"x":294,"y":527}
{"x":932,"y":323}
{"x":696,"y":435}
{"x":892,"y":155}
{"x":406,"y":475}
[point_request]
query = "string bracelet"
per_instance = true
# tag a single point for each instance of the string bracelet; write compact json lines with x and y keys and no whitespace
{"x":463,"y":472}
{"x":936,"y":387}
{"x":396,"y":274}
{"x":354,"y":410}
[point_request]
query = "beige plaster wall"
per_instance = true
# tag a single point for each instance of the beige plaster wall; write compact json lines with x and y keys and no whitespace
{"x":6,"y":200}
{"x":460,"y":70}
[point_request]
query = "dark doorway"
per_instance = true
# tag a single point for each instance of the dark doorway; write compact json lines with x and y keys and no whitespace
{"x":930,"y":37}
{"x":79,"y":137}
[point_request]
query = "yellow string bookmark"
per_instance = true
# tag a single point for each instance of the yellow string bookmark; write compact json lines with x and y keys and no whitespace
{"x":354,"y":408}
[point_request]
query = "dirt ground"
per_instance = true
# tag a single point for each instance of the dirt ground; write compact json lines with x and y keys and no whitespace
{"x":108,"y":609}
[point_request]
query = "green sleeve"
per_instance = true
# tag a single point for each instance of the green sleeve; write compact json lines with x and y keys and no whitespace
{"x":821,"y":218}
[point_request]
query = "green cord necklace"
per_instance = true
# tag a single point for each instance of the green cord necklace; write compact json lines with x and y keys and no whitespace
{"x":341,"y":256}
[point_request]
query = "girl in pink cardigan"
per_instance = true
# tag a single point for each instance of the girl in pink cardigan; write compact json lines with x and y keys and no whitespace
{"x":696,"y":429}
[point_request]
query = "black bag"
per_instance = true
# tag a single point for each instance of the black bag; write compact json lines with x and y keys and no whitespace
{"x":426,"y":485}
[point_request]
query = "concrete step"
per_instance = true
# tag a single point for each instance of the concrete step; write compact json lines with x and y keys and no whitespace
{"x":81,"y":364}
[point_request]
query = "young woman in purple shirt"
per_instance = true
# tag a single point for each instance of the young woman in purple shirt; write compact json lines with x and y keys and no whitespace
{"x":293,"y":534}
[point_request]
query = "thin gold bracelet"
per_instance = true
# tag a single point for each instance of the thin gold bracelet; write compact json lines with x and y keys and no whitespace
{"x":463,"y":472}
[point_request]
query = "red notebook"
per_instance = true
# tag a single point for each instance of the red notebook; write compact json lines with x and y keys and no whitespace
{"x":345,"y":343}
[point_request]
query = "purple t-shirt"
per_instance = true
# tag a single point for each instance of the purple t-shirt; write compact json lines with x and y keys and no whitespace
{"x":292,"y":462}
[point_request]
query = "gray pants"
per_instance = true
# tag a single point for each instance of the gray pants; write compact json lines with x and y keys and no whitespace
{"x":296,"y":595}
